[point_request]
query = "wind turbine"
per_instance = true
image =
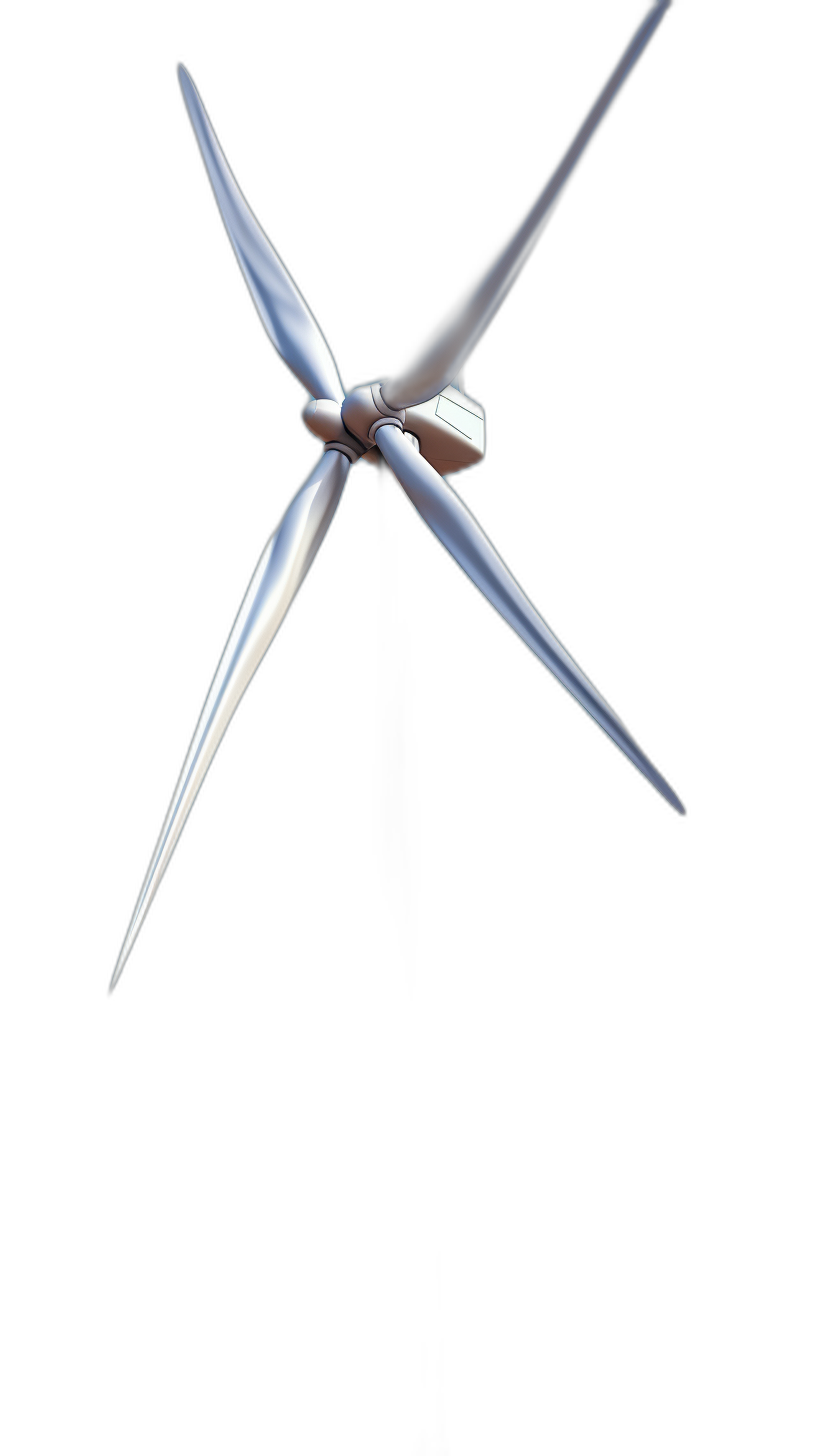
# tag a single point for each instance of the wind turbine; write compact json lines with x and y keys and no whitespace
{"x":421,"y":424}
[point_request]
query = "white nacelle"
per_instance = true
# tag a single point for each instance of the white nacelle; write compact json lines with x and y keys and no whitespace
{"x":450,"y":429}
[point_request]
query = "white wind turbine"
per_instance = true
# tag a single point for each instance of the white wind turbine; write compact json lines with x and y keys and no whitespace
{"x":421,"y":424}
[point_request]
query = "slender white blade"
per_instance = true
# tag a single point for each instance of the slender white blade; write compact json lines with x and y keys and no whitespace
{"x":286,"y":559}
{"x":447,"y":353}
{"x":284,"y":312}
{"x":460,"y":533}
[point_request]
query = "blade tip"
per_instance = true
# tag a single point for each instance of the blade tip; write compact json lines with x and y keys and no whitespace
{"x":124,"y":956}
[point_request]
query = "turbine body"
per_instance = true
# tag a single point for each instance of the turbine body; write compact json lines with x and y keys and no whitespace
{"x":449,"y":429}
{"x":420,"y":423}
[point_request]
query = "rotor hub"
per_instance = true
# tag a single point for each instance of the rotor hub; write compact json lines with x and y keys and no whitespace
{"x":323,"y":418}
{"x":364,"y":410}
{"x":352,"y":426}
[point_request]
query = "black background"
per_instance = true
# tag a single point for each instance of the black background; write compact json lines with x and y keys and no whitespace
{"x":395,"y":1130}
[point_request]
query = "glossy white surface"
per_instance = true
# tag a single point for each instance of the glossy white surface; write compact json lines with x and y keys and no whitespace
{"x":322,"y":418}
{"x":285,"y":560}
{"x":362,"y":412}
{"x":451,"y":430}
{"x":284,"y":312}
{"x":447,"y":353}
{"x":460,"y":533}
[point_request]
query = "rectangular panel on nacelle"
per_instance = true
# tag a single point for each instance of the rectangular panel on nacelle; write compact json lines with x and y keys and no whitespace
{"x":450,"y":429}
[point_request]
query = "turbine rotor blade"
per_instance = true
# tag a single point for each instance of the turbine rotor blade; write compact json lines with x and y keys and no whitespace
{"x":284,"y":563}
{"x":284,"y":312}
{"x":460,"y":533}
{"x":449,"y":350}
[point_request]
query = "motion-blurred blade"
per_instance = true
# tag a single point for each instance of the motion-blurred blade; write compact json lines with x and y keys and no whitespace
{"x":445,"y":356}
{"x":285,"y":561}
{"x":459,"y":531}
{"x":284,"y":313}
